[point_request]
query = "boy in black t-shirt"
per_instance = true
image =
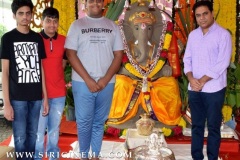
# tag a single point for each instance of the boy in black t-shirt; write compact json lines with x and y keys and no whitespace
{"x":23,"y":81}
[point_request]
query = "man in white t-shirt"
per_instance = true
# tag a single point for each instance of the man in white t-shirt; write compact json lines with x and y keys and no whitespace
{"x":94,"y":48}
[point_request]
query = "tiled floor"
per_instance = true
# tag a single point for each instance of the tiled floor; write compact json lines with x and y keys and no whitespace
{"x":5,"y":129}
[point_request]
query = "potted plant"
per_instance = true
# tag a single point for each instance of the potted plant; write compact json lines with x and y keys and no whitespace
{"x":69,"y":107}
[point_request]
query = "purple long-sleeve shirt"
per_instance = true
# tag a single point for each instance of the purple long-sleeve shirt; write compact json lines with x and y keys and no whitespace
{"x":209,"y":55}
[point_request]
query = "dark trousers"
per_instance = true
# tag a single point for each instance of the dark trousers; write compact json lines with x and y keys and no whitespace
{"x":206,"y":107}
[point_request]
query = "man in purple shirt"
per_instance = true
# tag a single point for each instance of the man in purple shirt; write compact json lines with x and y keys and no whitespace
{"x":206,"y":59}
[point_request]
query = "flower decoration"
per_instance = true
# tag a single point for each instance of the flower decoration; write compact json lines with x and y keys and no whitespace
{"x":125,"y":59}
{"x":168,"y":132}
{"x":227,"y":18}
{"x":69,"y":95}
{"x":115,"y":132}
{"x":177,"y":130}
{"x":124,"y":132}
{"x":182,"y":123}
{"x":167,"y":41}
{"x":69,"y":103}
{"x":227,"y":113}
{"x":170,"y":27}
{"x":65,"y":18}
{"x":164,"y":54}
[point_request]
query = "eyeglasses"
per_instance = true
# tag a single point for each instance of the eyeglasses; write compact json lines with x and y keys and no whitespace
{"x":92,"y":1}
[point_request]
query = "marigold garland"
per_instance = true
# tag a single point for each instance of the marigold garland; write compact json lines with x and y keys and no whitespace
{"x":66,"y":14}
{"x":182,"y":123}
{"x":133,"y":71}
{"x":227,"y":18}
{"x":166,"y":131}
{"x":227,"y":113}
{"x":167,"y":41}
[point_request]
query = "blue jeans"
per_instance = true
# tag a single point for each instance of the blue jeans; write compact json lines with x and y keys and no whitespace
{"x":25,"y":124}
{"x":206,"y":106}
{"x":52,"y":123}
{"x":92,"y":111}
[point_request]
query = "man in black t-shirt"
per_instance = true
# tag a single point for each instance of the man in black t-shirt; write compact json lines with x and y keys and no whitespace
{"x":23,"y":81}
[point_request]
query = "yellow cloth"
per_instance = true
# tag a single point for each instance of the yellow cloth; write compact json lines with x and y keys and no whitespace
{"x":164,"y":99}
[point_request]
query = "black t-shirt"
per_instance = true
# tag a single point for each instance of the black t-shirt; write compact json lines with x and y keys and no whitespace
{"x":24,"y":52}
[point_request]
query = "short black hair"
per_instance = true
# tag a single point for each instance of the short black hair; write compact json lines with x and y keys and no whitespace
{"x":16,"y":4}
{"x":50,"y":12}
{"x":200,"y":3}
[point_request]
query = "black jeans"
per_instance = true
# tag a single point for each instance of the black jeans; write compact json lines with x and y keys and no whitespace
{"x":206,"y":107}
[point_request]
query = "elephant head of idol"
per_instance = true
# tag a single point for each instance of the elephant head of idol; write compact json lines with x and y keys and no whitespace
{"x":143,"y":29}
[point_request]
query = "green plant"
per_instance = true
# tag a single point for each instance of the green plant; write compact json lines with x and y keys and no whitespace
{"x":115,"y":8}
{"x":3,"y":29}
{"x":183,"y":86}
{"x":69,"y":95}
{"x":233,"y":86}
